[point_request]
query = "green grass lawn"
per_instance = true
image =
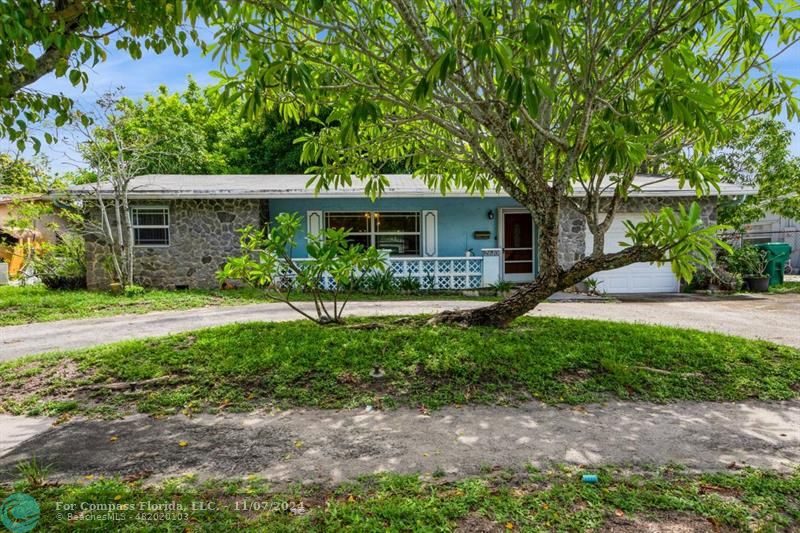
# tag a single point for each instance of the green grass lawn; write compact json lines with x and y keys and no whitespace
{"x":788,"y":287}
{"x":247,"y":366}
{"x":553,"y":500}
{"x":23,"y":305}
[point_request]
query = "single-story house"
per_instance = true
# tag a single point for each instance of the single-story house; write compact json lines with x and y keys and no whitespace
{"x":185,"y":227}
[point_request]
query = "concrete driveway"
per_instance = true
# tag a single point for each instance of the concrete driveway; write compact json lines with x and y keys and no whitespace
{"x":769,"y":317}
{"x":774,"y":318}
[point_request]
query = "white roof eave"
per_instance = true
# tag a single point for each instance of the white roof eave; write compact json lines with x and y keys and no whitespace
{"x":290,"y":195}
{"x":294,"y":187}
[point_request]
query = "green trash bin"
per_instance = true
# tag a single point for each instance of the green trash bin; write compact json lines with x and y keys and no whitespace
{"x":778,"y":253}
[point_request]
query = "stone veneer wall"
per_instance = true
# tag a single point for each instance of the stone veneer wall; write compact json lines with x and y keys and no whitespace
{"x":572,"y":236}
{"x":202,"y":235}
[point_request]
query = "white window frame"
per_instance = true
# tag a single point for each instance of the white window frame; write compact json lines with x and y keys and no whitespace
{"x":373,"y":233}
{"x":135,"y":226}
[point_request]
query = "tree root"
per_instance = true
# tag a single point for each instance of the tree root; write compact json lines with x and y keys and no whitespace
{"x":466,"y":318}
{"x":410,"y":320}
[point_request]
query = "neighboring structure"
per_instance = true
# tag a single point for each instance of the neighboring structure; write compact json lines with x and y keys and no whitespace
{"x":775,"y":228}
{"x":185,"y":228}
{"x":15,"y":240}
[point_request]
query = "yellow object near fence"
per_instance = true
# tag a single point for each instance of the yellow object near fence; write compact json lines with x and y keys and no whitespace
{"x":16,"y":254}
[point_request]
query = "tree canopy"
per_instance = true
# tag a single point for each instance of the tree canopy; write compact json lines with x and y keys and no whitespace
{"x":22,"y":176}
{"x":558,"y":103}
{"x":760,"y":156}
{"x":203,"y":138}
{"x":68,"y":37}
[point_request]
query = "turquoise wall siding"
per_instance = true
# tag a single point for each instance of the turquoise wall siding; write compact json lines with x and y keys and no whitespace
{"x":458,"y":217}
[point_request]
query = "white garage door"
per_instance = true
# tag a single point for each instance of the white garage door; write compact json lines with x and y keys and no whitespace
{"x":635,"y":278}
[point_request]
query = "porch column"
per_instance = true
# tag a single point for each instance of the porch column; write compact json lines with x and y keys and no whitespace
{"x":491,"y":266}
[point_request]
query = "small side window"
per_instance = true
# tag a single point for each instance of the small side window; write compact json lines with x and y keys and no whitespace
{"x":150,"y":226}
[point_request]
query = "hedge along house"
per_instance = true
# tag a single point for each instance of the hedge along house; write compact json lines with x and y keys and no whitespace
{"x":185,"y":228}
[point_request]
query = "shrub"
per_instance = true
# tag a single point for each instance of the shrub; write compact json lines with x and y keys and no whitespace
{"x":592,"y":286}
{"x":727,"y":281}
{"x":746,"y":260}
{"x":379,"y":282}
{"x":718,"y":276}
{"x":408,"y":284}
{"x":133,"y":290}
{"x":267,"y":263}
{"x":61,"y":265}
{"x":502,"y":287}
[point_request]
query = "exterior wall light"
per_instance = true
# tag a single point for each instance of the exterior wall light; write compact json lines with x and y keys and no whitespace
{"x":491,"y":215}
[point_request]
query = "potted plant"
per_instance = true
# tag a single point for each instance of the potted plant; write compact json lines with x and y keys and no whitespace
{"x":751,"y":263}
{"x":757,"y":279}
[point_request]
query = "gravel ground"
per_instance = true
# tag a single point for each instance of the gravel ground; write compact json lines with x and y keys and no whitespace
{"x":331,"y":446}
{"x":770,"y":317}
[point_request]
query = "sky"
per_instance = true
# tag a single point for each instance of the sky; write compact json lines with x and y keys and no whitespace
{"x":146,"y":74}
{"x":136,"y":77}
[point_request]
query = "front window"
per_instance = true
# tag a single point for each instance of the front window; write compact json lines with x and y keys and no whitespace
{"x":150,"y":226}
{"x":397,"y":232}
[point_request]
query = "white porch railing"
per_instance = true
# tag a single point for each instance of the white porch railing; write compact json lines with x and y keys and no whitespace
{"x":432,"y":273}
{"x":446,"y":273}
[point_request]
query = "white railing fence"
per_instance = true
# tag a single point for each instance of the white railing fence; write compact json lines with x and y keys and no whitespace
{"x":445,"y":273}
{"x":431,"y":273}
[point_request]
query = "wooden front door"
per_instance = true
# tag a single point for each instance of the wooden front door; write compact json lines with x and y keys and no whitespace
{"x":518,"y":248}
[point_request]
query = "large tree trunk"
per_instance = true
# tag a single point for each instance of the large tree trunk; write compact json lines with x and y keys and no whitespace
{"x":527,"y":296}
{"x":499,"y":314}
{"x":547,"y":283}
{"x":552,"y":276}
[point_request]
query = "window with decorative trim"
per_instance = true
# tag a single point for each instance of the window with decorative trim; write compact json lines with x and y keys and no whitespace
{"x":150,"y":226}
{"x":397,"y":232}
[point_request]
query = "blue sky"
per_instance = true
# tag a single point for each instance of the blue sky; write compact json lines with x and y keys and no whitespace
{"x":136,"y":76}
{"x":145,"y":75}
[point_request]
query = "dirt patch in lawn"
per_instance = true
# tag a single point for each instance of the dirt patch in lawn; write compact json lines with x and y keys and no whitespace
{"x":575,"y":376}
{"x":726,"y":493}
{"x":661,"y":522}
{"x":475,"y":523}
{"x":35,"y":377}
{"x":50,"y":383}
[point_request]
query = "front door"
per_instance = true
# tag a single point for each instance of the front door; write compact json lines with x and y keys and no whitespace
{"x":518,"y":256}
